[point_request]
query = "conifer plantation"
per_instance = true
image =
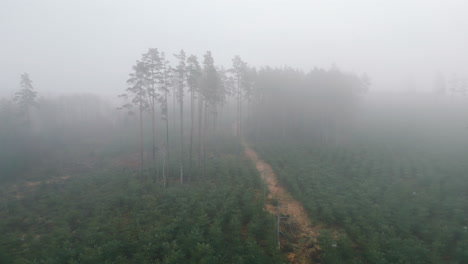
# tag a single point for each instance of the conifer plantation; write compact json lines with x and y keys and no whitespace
{"x":233,"y":132}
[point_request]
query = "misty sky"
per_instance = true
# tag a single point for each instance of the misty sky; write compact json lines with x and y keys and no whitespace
{"x":90,"y":45}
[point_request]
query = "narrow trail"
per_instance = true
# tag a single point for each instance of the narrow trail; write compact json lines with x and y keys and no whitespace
{"x":297,"y":232}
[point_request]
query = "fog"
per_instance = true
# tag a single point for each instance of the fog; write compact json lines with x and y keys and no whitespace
{"x":265,"y":132}
{"x":90,"y":45}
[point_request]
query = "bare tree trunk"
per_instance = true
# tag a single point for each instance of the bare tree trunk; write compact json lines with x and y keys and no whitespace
{"x":200,"y":117}
{"x":240,"y":111}
{"x":164,"y":167}
{"x":181,"y":101}
{"x":227,"y":112}
{"x":174,"y":110}
{"x":221,"y":116}
{"x":167,"y":139}
{"x":204,"y":140}
{"x":215,"y":114}
{"x":238,"y":107}
{"x":153,"y":127}
{"x":191,"y":135}
{"x":28,"y":119}
{"x":141,"y":140}
{"x":166,"y":164}
{"x":249,"y":122}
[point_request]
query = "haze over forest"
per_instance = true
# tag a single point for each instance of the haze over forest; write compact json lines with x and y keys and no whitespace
{"x":244,"y":132}
{"x":94,"y":42}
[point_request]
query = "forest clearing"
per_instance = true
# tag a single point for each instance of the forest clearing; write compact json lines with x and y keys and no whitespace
{"x":303,"y":236}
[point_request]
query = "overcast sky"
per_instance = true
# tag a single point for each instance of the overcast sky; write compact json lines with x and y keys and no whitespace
{"x":90,"y":45}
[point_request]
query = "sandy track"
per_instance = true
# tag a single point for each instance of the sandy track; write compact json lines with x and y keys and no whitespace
{"x":301,"y":234}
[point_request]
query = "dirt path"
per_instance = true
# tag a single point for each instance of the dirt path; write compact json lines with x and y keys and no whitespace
{"x":297,"y":232}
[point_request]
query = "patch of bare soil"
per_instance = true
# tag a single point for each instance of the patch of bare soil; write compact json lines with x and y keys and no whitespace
{"x":20,"y":189}
{"x":128,"y":161}
{"x":297,"y":233}
{"x":49,"y":181}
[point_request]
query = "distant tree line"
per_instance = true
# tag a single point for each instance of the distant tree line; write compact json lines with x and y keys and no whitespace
{"x":267,"y":100}
{"x":35,"y":130}
{"x":452,"y":85}
{"x":181,"y":107}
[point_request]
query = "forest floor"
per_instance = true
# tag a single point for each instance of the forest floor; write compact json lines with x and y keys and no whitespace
{"x":298,"y":234}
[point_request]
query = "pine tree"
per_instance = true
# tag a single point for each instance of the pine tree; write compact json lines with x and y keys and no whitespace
{"x":210,"y":91}
{"x":180,"y":73}
{"x":239,"y":69}
{"x":26,"y":97}
{"x":164,"y":82}
{"x":193,"y":80}
{"x":152,"y":62}
{"x":440,"y":84}
{"x":137,"y":89}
